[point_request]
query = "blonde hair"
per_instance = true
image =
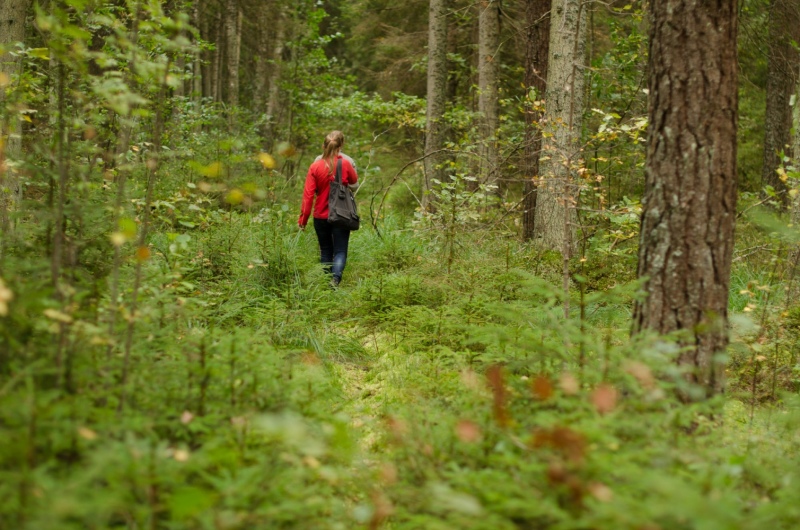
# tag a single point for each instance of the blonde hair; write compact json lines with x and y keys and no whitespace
{"x":330,"y":148}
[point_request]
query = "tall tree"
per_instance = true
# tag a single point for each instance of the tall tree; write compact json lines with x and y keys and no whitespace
{"x":556,"y":216}
{"x":686,"y":239}
{"x":437,"y":93}
{"x":233,"y":39}
{"x":537,"y":45}
{"x":783,"y":63}
{"x":12,"y":29}
{"x":488,"y":48}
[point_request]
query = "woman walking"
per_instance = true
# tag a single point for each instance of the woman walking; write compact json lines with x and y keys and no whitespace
{"x":333,"y":239}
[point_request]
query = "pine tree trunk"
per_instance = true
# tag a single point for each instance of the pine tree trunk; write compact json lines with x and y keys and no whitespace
{"x":556,"y":216}
{"x":264,"y":15}
{"x":12,"y":29}
{"x":273,"y":102}
{"x":219,"y":65}
{"x":488,"y":48}
{"x":537,"y":21}
{"x":796,"y":153}
{"x":206,"y":57}
{"x":233,"y":39}
{"x":197,"y":69}
{"x":437,"y":93}
{"x":782,"y":74}
{"x":686,"y":239}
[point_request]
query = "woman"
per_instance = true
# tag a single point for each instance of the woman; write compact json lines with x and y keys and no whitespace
{"x":333,"y":239}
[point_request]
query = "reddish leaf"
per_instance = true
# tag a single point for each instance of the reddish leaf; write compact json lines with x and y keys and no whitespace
{"x":604,"y":398}
{"x":642,"y":374}
{"x":468,"y":431}
{"x":567,"y":442}
{"x":542,"y":388}
{"x":497,"y":383}
{"x":569,"y":384}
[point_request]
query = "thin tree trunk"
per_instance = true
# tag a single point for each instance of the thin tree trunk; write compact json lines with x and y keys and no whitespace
{"x":556,"y":217}
{"x":197,"y":70}
{"x":12,"y":29}
{"x":686,"y":239}
{"x":273,"y":101}
{"x":537,"y":21}
{"x":782,"y":74}
{"x":488,"y":48}
{"x":233,"y":40}
{"x":207,"y":57}
{"x":264,"y":14}
{"x":436,"y":97}
{"x":796,"y":127}
{"x":217,"y":62}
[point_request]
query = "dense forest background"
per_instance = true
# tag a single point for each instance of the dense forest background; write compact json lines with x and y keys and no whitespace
{"x":172,"y":355}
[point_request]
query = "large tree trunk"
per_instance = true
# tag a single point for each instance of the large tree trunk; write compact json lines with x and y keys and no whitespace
{"x":488,"y":48}
{"x":12,"y":29}
{"x":437,"y":92}
{"x":537,"y":45}
{"x":782,"y":73}
{"x":556,"y":216}
{"x":233,"y":39}
{"x":686,"y":237}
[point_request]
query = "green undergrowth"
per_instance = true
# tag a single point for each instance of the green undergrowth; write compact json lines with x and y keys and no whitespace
{"x":257,"y":397}
{"x":441,"y":386}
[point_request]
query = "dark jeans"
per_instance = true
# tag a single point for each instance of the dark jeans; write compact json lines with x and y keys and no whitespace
{"x":333,"y":242}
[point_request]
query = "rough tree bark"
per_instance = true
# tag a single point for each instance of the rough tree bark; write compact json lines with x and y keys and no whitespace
{"x":12,"y":29}
{"x":437,"y":93}
{"x":782,"y":73}
{"x":556,"y":217}
{"x":233,"y":39}
{"x":686,"y":239}
{"x":488,"y":48}
{"x":537,"y":45}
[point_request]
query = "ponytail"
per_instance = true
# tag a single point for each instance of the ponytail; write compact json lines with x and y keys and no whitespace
{"x":333,"y":143}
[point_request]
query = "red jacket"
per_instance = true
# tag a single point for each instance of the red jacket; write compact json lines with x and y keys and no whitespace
{"x":318,"y":182}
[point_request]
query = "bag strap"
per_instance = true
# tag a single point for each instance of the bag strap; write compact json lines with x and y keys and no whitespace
{"x":339,"y":171}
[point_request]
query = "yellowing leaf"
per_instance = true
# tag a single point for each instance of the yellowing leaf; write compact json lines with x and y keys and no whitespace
{"x":40,"y":53}
{"x":87,"y":434}
{"x":58,"y":316}
{"x":117,"y":239}
{"x":235,"y":196}
{"x":212,"y":170}
{"x":266,"y":160}
{"x":142,"y":253}
{"x":6,"y":295}
{"x":286,"y":149}
{"x":4,"y":80}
